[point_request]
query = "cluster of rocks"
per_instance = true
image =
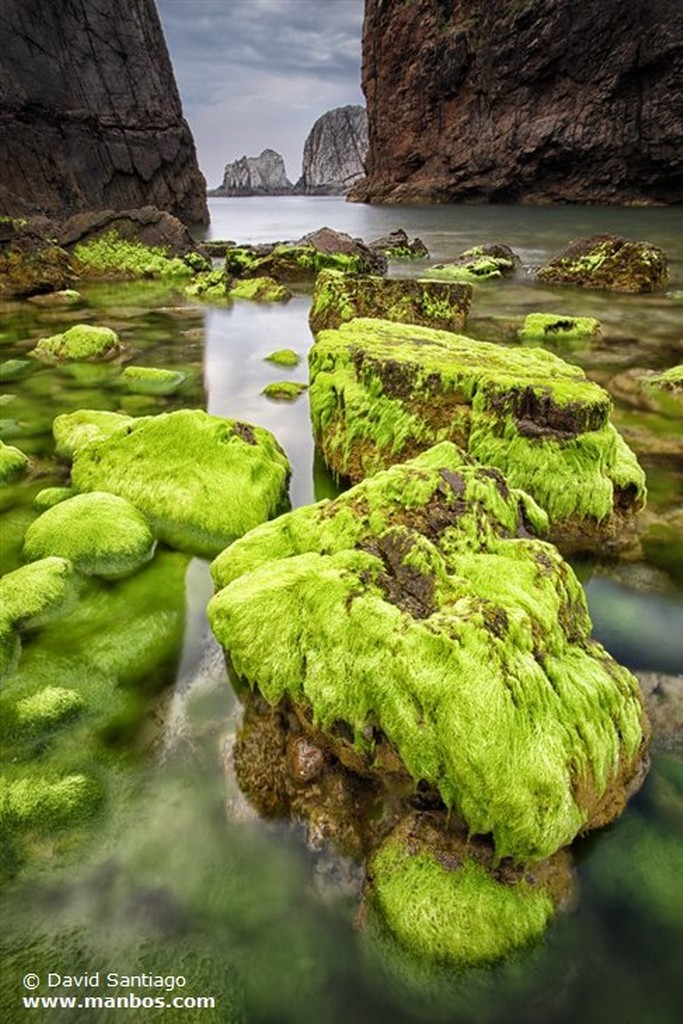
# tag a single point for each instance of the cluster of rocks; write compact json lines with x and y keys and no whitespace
{"x":333,"y":161}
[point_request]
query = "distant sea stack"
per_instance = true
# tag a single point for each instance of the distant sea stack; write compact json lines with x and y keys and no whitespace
{"x":573,"y":101}
{"x":334,"y":152}
{"x":262,"y":175}
{"x":90,"y":116}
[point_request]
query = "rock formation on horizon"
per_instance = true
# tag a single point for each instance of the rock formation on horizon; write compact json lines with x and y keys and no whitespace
{"x":90,"y":115}
{"x":528,"y":102}
{"x":262,"y":175}
{"x":334,"y":152}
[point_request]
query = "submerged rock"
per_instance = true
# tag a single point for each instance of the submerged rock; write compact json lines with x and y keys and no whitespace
{"x":555,"y":328}
{"x":608,"y":262}
{"x":149,"y":380}
{"x":80,"y":342}
{"x":200,"y":480}
{"x":286,"y":390}
{"x":284,"y":357}
{"x":422,"y":632}
{"x":34,"y":593}
{"x":13,"y":463}
{"x":339,"y":297}
{"x":101,"y":534}
{"x":481,"y":263}
{"x":380,"y":392}
{"x":13,"y":369}
{"x":260,"y":289}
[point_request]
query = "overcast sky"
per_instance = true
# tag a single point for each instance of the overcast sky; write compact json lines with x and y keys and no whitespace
{"x":257,"y":73}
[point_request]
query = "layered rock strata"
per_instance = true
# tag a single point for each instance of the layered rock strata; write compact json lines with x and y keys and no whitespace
{"x":523,"y":102}
{"x":90,"y":116}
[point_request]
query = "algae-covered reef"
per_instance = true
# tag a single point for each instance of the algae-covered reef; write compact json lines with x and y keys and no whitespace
{"x":423,"y":630}
{"x":608,"y":262}
{"x":200,"y":480}
{"x":381,"y":392}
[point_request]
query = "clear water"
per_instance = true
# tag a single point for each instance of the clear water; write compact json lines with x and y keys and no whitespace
{"x":175,"y":876}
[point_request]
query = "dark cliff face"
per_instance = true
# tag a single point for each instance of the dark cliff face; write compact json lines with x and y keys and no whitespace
{"x":334,"y":152}
{"x":524,"y":101}
{"x":90,"y":116}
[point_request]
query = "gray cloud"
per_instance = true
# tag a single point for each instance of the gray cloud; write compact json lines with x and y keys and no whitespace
{"x":257,"y":73}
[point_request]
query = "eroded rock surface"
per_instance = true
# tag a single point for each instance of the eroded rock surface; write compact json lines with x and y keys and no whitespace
{"x":334,"y":152}
{"x":262,"y":175}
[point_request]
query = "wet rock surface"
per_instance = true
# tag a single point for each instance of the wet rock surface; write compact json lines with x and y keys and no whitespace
{"x":608,"y":262}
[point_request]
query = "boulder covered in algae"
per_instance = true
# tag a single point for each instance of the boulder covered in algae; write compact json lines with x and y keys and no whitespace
{"x":339,"y":297}
{"x":200,"y":480}
{"x":381,"y":392}
{"x":608,"y":262}
{"x":423,"y":630}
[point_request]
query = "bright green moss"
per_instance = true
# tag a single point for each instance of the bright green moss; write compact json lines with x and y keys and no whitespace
{"x":148,"y":380}
{"x":47,"y":708}
{"x":260,"y":289}
{"x":44,"y":804}
{"x":284,"y":389}
{"x":13,"y":463}
{"x":82,"y":341}
{"x":100,"y":533}
{"x":239,"y":259}
{"x":668,"y":380}
{"x":74,"y":429}
{"x":551,"y":327}
{"x":210,"y":286}
{"x":199,"y":479}
{"x":32,"y":594}
{"x":111,"y":254}
{"x":608,"y":261}
{"x":10,"y":647}
{"x":481,"y":268}
{"x":414,"y":604}
{"x":381,"y":391}
{"x":50,"y":496}
{"x":12,"y":369}
{"x":284,"y":357}
{"x":458,"y":915}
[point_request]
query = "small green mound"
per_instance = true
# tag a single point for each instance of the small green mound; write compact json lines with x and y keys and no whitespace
{"x":72,"y":430}
{"x":260,"y":289}
{"x":480,"y":268}
{"x":13,"y":463}
{"x":47,"y":708}
{"x":44,"y":804}
{"x":80,"y":342}
{"x":13,"y":369}
{"x":667,"y":380}
{"x":284,"y":389}
{"x":457,"y":914}
{"x":148,"y":380}
{"x":201,"y":480}
{"x":111,"y":254}
{"x":284,"y":357}
{"x":101,"y":534}
{"x":210,"y":286}
{"x":34,"y":593}
{"x":50,"y":496}
{"x":552,"y":327}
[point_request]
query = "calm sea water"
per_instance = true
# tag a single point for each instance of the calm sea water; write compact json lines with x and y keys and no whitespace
{"x":175,"y":876}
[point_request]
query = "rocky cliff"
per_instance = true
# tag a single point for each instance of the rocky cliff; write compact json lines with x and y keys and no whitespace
{"x":334,"y":152}
{"x":90,"y":116}
{"x":524,"y":102}
{"x":262,"y":175}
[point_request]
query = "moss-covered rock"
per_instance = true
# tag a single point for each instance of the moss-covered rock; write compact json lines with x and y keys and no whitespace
{"x":556,"y":329}
{"x":299,"y":262}
{"x":199,"y":479}
{"x":109,"y":253}
{"x":209,"y":286}
{"x":284,"y":389}
{"x":72,"y":430}
{"x":338,"y":298}
{"x":442,"y":899}
{"x":13,"y":369}
{"x":13,"y":463}
{"x":50,"y":496}
{"x":380,"y":392}
{"x":65,"y":297}
{"x":667,"y":380}
{"x":149,"y":380}
{"x":47,"y":708}
{"x":284,"y":357}
{"x":482,"y":263}
{"x":608,"y":262}
{"x":659,"y":393}
{"x":398,"y":246}
{"x":80,"y":342}
{"x":260,"y":289}
{"x":30,"y":261}
{"x":33,"y":801}
{"x":35,"y":593}
{"x":423,"y":632}
{"x":100,"y":533}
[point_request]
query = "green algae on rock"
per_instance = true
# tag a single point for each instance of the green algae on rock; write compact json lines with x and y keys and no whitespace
{"x":338,"y":298}
{"x":381,"y":392}
{"x":667,"y":380}
{"x":35,"y":593}
{"x":72,"y":430}
{"x":259,"y":289}
{"x":200,"y":480}
{"x":423,"y":630}
{"x":12,"y":369}
{"x":47,"y":708}
{"x":100,"y":533}
{"x":13,"y":463}
{"x":209,"y":286}
{"x":65,"y":297}
{"x":442,"y":900}
{"x":552,"y":327}
{"x":482,"y":263}
{"x":111,"y":255}
{"x":299,"y":262}
{"x":284,"y":357}
{"x":608,"y":262}
{"x":82,"y":341}
{"x":50,"y":496}
{"x":148,"y":380}
{"x":33,"y":801}
{"x":284,"y":389}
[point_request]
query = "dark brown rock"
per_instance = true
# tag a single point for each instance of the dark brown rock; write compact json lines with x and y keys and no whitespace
{"x":90,"y":116}
{"x":148,"y":225}
{"x":31,"y":262}
{"x":526,"y":102}
{"x":608,"y":262}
